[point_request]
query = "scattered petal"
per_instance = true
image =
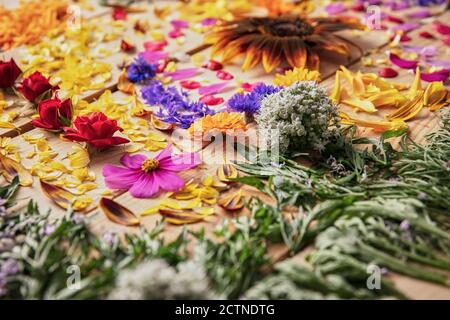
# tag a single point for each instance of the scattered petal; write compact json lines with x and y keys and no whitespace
{"x":118,"y":213}
{"x":388,"y":73}
{"x":402,"y":63}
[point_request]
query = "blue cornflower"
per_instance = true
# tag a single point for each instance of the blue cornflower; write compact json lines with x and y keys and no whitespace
{"x":251,"y":102}
{"x":174,"y":105}
{"x":140,"y":70}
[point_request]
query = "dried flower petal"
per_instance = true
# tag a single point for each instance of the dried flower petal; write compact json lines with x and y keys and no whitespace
{"x":402,"y":63}
{"x":12,"y":168}
{"x":118,"y":213}
{"x":232,"y":202}
{"x":226,"y":172}
{"x":60,"y":196}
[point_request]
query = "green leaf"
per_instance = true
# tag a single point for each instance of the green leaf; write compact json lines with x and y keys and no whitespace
{"x":393,"y":133}
{"x":251,"y":181}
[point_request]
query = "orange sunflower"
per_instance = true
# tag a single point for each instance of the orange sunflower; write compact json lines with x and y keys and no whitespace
{"x":272,"y":39}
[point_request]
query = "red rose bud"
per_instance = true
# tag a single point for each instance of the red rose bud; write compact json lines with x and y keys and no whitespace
{"x":388,"y":73}
{"x":119,"y":13}
{"x":9,"y":72}
{"x":223,"y":75}
{"x":190,"y":84}
{"x":212,"y":65}
{"x":426,"y":34}
{"x":95,"y":129}
{"x":35,"y":86}
{"x":126,"y":46}
{"x":54,"y":114}
{"x":211,"y":100}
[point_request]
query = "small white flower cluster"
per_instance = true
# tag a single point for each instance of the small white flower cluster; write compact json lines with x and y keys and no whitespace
{"x":155,"y":279}
{"x":302,"y":115}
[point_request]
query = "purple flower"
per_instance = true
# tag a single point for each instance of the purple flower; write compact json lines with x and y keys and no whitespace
{"x":140,"y":70}
{"x":78,"y":218}
{"x":251,"y":102}
{"x":405,"y":225}
{"x":143,"y":177}
{"x":109,"y":237}
{"x":49,"y":229}
{"x":174,"y":105}
{"x":9,"y":268}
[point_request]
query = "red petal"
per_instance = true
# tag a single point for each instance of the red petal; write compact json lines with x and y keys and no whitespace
{"x":119,"y":13}
{"x":426,"y":34}
{"x":388,"y":73}
{"x":442,"y":28}
{"x":190,"y":84}
{"x":395,"y":19}
{"x":211,"y":100}
{"x":223,"y":75}
{"x":212,"y":65}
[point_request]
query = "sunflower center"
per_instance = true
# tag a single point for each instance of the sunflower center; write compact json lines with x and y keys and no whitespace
{"x":288,"y":27}
{"x":149,"y":165}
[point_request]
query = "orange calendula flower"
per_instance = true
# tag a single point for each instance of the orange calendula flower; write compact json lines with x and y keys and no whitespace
{"x":294,"y":75}
{"x":224,"y":122}
{"x":270,"y":39}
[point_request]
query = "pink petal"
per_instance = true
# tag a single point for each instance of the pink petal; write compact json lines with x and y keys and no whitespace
{"x":132,"y":162}
{"x":165,"y":153}
{"x":175,"y":33}
{"x":442,"y":75}
{"x":146,"y":187}
{"x":213,"y":88}
{"x":209,"y":22}
{"x":179,"y":24}
{"x":180,"y":162}
{"x":167,"y":180}
{"x":439,"y":63}
{"x":406,"y":27}
{"x":426,"y":51}
{"x":402,"y":63}
{"x":119,"y":178}
{"x":154,"y":56}
{"x":182,"y":74}
{"x":421,"y":13}
{"x":335,"y":8}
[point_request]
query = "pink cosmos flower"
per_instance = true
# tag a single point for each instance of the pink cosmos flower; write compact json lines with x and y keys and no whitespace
{"x":143,"y":177}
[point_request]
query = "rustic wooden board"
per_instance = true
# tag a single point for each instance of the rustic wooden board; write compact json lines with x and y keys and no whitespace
{"x":100,"y":224}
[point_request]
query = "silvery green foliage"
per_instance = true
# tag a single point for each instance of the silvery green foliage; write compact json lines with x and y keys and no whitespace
{"x":280,"y":287}
{"x":303,"y":115}
{"x":155,"y":279}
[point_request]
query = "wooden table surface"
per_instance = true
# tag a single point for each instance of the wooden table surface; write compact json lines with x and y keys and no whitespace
{"x":374,"y":44}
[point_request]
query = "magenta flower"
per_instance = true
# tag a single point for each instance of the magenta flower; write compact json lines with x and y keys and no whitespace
{"x":143,"y":177}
